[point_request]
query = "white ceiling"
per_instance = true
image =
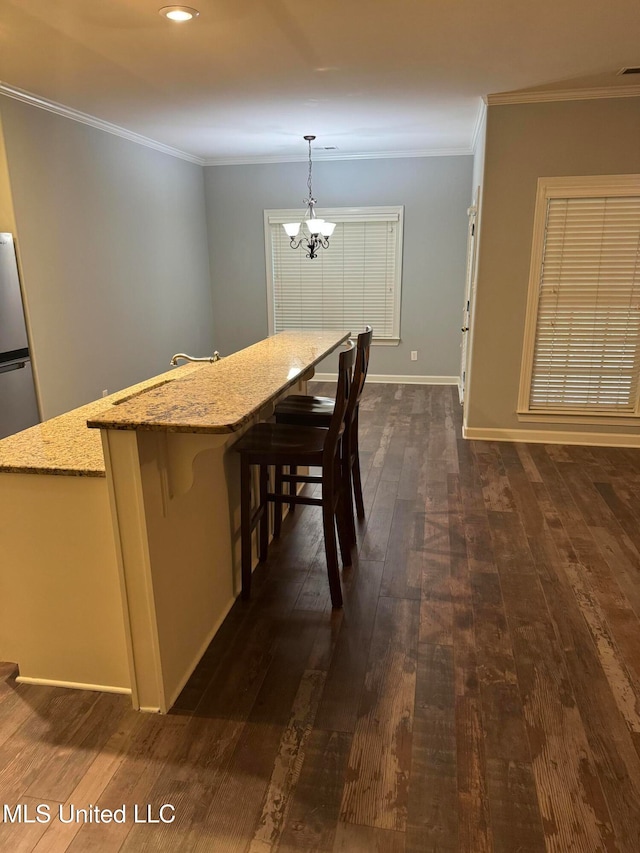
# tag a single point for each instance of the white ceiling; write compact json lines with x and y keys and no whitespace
{"x":248,"y":78}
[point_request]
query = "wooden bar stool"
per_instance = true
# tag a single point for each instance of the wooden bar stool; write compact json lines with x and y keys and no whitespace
{"x":284,"y":444}
{"x":303,"y":410}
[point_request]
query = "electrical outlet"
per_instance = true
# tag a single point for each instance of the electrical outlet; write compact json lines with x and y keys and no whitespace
{"x":105,"y":393}
{"x":414,"y":355}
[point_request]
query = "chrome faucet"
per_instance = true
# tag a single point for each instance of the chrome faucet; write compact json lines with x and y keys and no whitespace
{"x":215,"y":357}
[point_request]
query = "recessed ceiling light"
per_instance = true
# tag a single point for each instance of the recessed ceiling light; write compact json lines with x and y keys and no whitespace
{"x":179,"y":13}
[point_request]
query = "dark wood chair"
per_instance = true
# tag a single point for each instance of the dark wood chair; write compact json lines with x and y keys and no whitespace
{"x":303,"y":410}
{"x":295,"y":446}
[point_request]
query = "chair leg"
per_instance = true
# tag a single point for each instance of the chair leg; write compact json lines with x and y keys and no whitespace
{"x":330,"y":546}
{"x":357,"y":481}
{"x":346,"y":493}
{"x":245,"y":525}
{"x":293,"y":470}
{"x":277,"y":505}
{"x":264,"y":520}
{"x":344,"y":534}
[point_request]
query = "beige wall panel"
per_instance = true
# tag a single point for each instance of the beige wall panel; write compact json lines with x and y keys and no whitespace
{"x":60,"y":605}
{"x":525,"y":142}
{"x":7,"y":219}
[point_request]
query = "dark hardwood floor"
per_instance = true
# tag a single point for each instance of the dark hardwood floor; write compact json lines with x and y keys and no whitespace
{"x":480,"y":690}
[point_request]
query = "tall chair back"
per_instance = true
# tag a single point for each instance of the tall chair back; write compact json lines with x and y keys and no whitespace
{"x":359,"y":374}
{"x":343,"y":397}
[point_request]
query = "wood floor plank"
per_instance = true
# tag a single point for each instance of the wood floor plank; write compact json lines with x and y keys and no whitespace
{"x":379,"y":521}
{"x":376,"y":787}
{"x":515,"y":815}
{"x":574,"y":811}
{"x":23,"y":835}
{"x":402,"y":574}
{"x":236,"y":806}
{"x":290,"y":660}
{"x":432,"y":820}
{"x":340,"y":700}
{"x":66,"y":767}
{"x":58,"y":835}
{"x":609,"y":738}
{"x":288,"y":763}
{"x":351,"y":838}
{"x":30,"y":748}
{"x":312,"y":819}
{"x":496,"y":490}
{"x":132,"y":783}
{"x":474,"y":831}
{"x":20,"y":701}
{"x":436,"y":605}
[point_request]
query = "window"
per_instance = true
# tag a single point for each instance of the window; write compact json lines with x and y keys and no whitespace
{"x":355,"y":282}
{"x":582,"y":339}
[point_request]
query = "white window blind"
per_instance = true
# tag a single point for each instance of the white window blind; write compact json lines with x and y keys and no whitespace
{"x":355,"y":282}
{"x":586,"y":355}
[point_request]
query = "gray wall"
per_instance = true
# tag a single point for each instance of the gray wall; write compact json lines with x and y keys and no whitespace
{"x":113,"y":245}
{"x":524,"y":142}
{"x":435,"y":192}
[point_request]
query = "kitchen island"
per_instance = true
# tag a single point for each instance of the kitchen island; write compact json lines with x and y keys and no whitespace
{"x":120,"y":570}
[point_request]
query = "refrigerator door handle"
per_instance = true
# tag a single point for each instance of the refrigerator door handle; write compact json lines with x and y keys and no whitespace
{"x":6,"y":368}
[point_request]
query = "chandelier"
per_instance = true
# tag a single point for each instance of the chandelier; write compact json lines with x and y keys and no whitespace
{"x":315,"y":232}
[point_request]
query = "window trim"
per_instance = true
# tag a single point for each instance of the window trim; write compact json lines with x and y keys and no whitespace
{"x":380,"y":213}
{"x":584,"y":186}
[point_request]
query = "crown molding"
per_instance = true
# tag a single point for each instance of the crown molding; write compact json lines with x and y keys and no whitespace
{"x":593,"y":93}
{"x":131,"y":136}
{"x":92,"y":121}
{"x":371,"y":155}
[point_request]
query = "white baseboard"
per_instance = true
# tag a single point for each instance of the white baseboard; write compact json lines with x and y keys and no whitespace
{"x":73,"y":685}
{"x":541,"y":436}
{"x":394,"y":379}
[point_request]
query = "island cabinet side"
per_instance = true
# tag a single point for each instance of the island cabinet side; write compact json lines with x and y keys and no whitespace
{"x":60,"y":607}
{"x":175,"y":505}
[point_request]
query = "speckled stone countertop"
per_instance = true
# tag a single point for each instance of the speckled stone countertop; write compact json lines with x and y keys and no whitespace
{"x":223,"y":397}
{"x":64,"y":445}
{"x":218,"y":397}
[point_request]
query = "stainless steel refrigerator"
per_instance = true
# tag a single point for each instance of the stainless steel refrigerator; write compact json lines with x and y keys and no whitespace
{"x":18,"y":405}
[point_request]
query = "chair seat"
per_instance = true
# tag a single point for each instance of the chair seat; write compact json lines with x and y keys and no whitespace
{"x":302,"y":444}
{"x":304,"y":410}
{"x":306,"y":401}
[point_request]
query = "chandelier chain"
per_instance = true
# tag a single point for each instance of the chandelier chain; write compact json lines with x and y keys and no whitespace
{"x":309,"y":178}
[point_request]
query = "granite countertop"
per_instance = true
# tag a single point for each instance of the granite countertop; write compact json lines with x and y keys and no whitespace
{"x":197,"y":397}
{"x":64,"y":445}
{"x":223,"y":398}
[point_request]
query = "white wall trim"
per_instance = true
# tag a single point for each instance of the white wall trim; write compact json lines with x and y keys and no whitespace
{"x":318,"y":156}
{"x":383,"y":378}
{"x":541,"y":436}
{"x":92,"y":121}
{"x":593,"y":93}
{"x":73,"y":685}
{"x":478,"y":125}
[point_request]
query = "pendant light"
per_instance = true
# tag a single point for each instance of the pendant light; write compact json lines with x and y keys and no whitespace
{"x":313,"y":232}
